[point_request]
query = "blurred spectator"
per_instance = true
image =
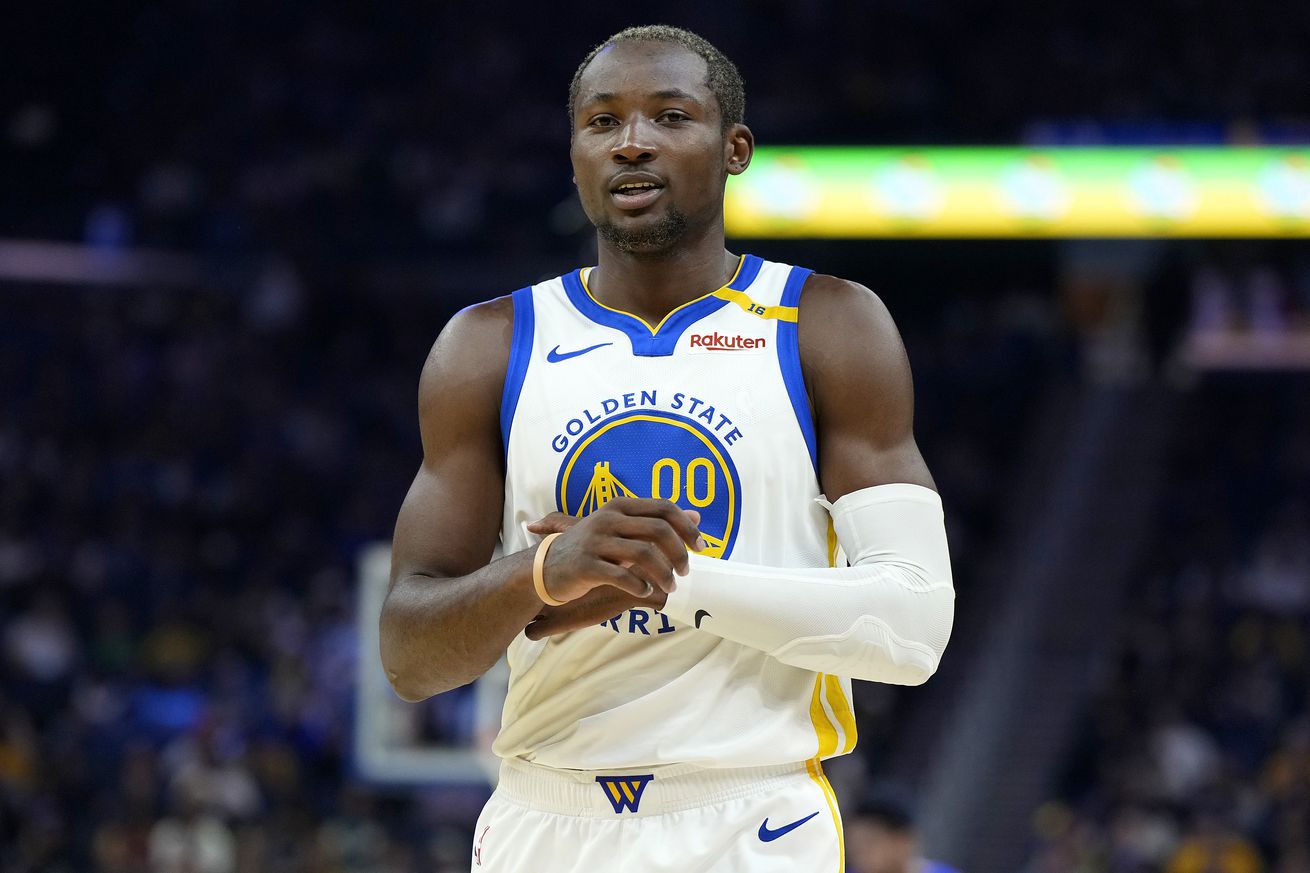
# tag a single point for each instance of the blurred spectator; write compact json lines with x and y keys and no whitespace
{"x":1275,"y":578}
{"x":40,"y":643}
{"x":881,"y":836}
{"x":1211,"y":845}
{"x":1198,"y":754}
{"x":352,"y":841}
{"x":191,"y":840}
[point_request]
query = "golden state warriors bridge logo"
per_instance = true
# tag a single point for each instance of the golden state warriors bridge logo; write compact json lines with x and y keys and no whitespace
{"x":655,"y":454}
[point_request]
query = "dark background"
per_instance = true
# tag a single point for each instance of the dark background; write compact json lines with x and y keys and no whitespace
{"x":193,"y":454}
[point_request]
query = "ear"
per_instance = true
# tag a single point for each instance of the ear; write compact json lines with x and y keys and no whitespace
{"x":738,"y":148}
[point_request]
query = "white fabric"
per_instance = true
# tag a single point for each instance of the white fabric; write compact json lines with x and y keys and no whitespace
{"x":886,"y":618}
{"x":645,"y":689}
{"x":535,"y":821}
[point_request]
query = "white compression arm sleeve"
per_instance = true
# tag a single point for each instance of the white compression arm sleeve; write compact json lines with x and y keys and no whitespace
{"x":886,"y":618}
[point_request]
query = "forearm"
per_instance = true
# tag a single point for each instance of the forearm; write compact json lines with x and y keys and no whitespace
{"x":440,"y":633}
{"x":886,"y":618}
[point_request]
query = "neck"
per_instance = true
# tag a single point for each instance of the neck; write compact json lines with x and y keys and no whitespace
{"x":651,"y":286}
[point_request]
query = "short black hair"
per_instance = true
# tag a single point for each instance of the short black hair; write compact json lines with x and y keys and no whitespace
{"x":722,"y":77}
{"x":889,"y":804}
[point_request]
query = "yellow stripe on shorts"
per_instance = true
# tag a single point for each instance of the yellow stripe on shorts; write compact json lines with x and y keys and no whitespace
{"x":815,"y":769}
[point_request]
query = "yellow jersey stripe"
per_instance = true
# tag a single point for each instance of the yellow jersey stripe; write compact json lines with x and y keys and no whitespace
{"x":823,"y":726}
{"x":583,"y":275}
{"x":832,"y":543}
{"x":815,"y":769}
{"x":781,"y":313}
{"x":841,"y":708}
{"x":627,"y":791}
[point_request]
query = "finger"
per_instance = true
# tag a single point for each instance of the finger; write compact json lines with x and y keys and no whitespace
{"x":683,"y":525}
{"x":602,"y":601}
{"x":700,"y":545}
{"x":625,"y":580}
{"x":555,"y":625}
{"x":595,"y":607}
{"x":601,"y":571}
{"x":555,"y":522}
{"x":649,"y":507}
{"x":657,"y":599}
{"x":566,"y":619}
{"x":658,"y":532}
{"x":664,"y":584}
{"x":538,"y":629}
{"x":643,"y":559}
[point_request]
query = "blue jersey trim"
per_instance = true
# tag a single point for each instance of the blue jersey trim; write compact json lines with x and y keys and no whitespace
{"x":520,"y":353}
{"x":789,"y":361}
{"x":661,"y":342}
{"x":750,"y":268}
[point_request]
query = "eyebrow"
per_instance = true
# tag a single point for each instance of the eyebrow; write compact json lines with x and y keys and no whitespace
{"x":665,"y":94}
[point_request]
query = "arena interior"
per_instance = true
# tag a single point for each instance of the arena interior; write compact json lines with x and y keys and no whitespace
{"x":229,"y":233}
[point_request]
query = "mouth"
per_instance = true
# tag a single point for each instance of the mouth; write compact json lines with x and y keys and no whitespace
{"x":636,"y":193}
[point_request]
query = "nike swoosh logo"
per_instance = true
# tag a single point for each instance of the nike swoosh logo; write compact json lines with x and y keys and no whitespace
{"x":700,"y":613}
{"x":555,"y":355}
{"x":768,"y":836}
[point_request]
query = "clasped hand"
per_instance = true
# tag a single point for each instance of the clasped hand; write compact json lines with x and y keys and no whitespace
{"x":627,"y":553}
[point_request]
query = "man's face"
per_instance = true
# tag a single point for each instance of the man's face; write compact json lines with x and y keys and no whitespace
{"x":649,"y":151}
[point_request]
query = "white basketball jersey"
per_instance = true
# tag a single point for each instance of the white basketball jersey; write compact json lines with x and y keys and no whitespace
{"x":707,"y":409}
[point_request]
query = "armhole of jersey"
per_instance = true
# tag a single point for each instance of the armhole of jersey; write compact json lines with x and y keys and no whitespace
{"x":520,"y":353}
{"x":789,"y":362}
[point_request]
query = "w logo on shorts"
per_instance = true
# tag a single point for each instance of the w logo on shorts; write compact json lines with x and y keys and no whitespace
{"x":624,"y":792}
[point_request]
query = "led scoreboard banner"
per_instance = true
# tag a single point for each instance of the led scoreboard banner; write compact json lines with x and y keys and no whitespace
{"x":866,"y":192}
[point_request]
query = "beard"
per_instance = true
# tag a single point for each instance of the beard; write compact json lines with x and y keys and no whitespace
{"x":664,"y":234}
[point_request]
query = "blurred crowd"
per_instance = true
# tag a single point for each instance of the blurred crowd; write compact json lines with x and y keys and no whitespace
{"x":334,"y":130}
{"x":186,"y":484}
{"x":188,"y":474}
{"x":1195,"y":755}
{"x":188,"y":479}
{"x":1257,"y":317}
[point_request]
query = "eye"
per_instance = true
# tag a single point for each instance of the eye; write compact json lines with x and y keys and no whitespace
{"x":602,"y":121}
{"x":674,"y":115}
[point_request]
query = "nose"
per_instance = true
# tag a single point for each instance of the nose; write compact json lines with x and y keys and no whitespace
{"x":635,"y":143}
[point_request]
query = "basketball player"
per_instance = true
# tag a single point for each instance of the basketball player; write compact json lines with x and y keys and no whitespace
{"x":680,"y":450}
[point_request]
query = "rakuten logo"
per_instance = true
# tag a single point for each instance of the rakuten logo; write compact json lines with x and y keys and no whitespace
{"x":718,"y":342}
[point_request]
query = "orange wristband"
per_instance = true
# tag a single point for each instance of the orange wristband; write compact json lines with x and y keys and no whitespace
{"x":539,"y":574}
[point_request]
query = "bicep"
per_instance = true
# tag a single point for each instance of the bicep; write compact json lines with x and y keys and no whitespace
{"x":861,"y":388}
{"x":450,"y":519}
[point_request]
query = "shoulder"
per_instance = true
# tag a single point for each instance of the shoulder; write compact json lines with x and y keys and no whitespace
{"x":485,"y":320}
{"x":843,"y":322}
{"x":471,"y":354}
{"x":850,"y":349}
{"x":833,"y":297}
{"x":860,"y":388}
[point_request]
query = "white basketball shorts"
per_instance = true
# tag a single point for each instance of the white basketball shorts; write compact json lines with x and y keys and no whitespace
{"x":679,"y":819}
